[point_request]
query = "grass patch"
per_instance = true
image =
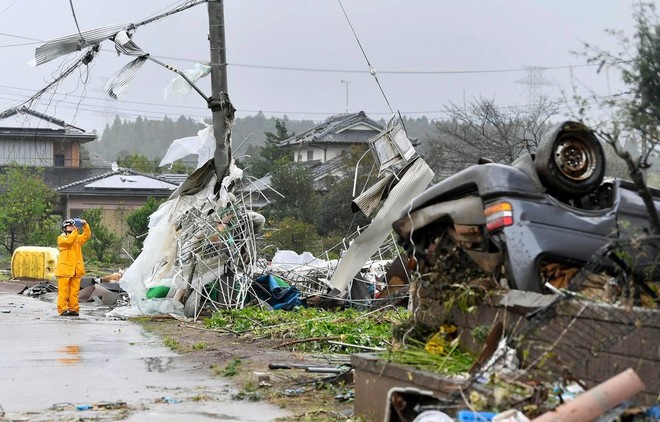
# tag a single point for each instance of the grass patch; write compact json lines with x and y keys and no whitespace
{"x":199,"y":346}
{"x":171,"y":343}
{"x":370,"y":329}
{"x":249,"y":392}
{"x":247,"y":395}
{"x":200,"y":397}
{"x":232,"y":368}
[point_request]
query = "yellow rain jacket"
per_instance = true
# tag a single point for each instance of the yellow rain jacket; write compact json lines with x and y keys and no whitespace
{"x":70,"y":262}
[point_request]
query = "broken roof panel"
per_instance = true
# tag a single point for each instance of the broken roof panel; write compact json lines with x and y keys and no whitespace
{"x":124,"y":44}
{"x":68,"y":44}
{"x":50,"y":119}
{"x":120,"y":81}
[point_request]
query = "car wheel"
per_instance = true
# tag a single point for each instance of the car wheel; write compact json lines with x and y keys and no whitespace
{"x":570,"y":161}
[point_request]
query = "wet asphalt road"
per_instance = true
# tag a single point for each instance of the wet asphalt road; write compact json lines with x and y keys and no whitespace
{"x":50,"y":365}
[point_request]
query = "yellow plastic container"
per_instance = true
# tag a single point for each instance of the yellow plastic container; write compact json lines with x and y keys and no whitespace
{"x":35,"y":262}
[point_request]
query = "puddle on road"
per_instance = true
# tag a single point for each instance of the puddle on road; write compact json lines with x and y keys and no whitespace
{"x":70,"y":355}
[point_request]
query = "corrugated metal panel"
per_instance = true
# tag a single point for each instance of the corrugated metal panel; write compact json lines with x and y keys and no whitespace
{"x":368,"y":201}
{"x":27,"y":153}
{"x":118,"y":84}
{"x":68,"y":44}
{"x":125,"y":44}
{"x":365,"y":245}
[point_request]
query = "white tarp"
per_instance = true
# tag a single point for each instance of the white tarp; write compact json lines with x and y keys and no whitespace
{"x":202,"y":145}
{"x":180,"y":87}
{"x":156,"y":260}
{"x":285,"y":261}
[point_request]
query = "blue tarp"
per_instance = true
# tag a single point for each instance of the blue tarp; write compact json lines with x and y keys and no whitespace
{"x":277,"y":293}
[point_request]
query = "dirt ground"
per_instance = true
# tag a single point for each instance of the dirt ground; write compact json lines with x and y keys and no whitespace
{"x":245,"y":360}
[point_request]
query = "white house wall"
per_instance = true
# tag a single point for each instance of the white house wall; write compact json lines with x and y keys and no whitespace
{"x":359,"y":126}
{"x":27,"y":153}
{"x":319,"y":153}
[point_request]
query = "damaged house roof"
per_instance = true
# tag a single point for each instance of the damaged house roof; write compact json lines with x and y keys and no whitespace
{"x":65,"y":131}
{"x":354,"y":128}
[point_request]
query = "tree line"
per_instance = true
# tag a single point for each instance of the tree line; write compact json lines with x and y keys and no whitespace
{"x":143,"y":142}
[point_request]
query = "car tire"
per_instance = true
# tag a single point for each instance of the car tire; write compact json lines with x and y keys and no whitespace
{"x":570,"y":161}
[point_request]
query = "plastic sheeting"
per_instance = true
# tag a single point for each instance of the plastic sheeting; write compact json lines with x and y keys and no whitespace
{"x":277,"y":293}
{"x":155,"y":262}
{"x":180,"y":87}
{"x":284,"y":261}
{"x":202,"y":145}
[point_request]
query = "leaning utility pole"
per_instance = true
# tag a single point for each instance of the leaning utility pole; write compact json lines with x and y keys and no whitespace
{"x":219,"y":102}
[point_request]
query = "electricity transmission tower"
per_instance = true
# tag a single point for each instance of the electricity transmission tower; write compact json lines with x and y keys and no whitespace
{"x":534,"y":80}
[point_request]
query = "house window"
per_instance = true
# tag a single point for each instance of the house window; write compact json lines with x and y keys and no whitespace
{"x":59,"y":160}
{"x":310,"y":155}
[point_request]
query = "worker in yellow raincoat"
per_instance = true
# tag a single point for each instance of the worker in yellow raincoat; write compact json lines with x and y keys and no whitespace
{"x":70,"y":266}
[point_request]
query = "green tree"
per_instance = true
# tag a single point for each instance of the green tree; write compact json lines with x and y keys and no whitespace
{"x":271,"y":152}
{"x":296,"y":183}
{"x":335,"y":216}
{"x":137,"y":162}
{"x":45,"y":232}
{"x":178,"y":168}
{"x":25,"y":207}
{"x":295,"y":235}
{"x":138,"y":223}
{"x":635,"y":119}
{"x":104,"y":244}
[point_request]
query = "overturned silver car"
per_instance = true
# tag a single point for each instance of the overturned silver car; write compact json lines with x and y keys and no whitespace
{"x":554,"y":207}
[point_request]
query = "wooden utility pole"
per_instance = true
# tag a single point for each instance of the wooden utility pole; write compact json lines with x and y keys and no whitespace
{"x":219,"y":102}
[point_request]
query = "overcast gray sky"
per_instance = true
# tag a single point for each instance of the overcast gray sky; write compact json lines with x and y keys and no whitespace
{"x":469,"y":48}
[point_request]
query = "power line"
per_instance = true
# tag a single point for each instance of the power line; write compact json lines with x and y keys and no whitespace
{"x":398,"y":72}
{"x":19,"y":45}
{"x":7,"y":8}
{"x":356,"y":71}
{"x":75,"y":19}
{"x":100,"y":108}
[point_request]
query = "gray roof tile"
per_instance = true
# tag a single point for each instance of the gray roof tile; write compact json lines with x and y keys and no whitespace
{"x":336,"y":129}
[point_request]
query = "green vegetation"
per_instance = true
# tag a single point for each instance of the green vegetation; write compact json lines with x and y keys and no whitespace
{"x":171,"y":343}
{"x":295,"y":235}
{"x":138,"y":223}
{"x":232,"y":368}
{"x":307,"y":329}
{"x":270,"y":153}
{"x":25,"y":209}
{"x":249,"y":392}
{"x":450,"y":361}
{"x":296,"y":183}
{"x":104,"y":245}
{"x":199,"y":346}
{"x":200,"y":397}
